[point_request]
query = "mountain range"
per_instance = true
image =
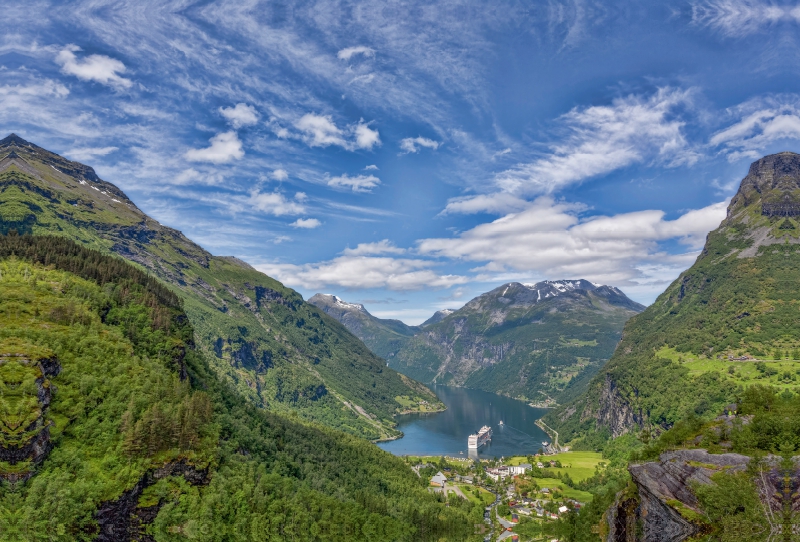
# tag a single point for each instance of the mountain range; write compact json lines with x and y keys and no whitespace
{"x":278,"y":351}
{"x":540,"y":342}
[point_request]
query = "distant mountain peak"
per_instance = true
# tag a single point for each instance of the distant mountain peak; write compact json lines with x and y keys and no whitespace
{"x":437,"y":317}
{"x":330,"y":299}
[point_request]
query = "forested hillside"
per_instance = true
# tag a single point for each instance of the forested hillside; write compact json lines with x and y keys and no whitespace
{"x":276,"y":350}
{"x":726,"y":323}
{"x":115,"y":427}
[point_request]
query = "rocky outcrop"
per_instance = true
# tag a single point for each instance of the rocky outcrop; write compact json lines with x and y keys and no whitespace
{"x":24,"y":427}
{"x":613,"y":411}
{"x":122,"y":520}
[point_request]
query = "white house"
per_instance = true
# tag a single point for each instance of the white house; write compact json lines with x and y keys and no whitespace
{"x":519,"y":469}
{"x":439,"y":480}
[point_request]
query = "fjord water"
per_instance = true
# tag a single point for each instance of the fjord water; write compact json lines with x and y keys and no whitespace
{"x":445,"y":433}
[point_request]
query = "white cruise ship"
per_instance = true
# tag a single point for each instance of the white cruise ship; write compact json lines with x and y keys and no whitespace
{"x":476,"y":441}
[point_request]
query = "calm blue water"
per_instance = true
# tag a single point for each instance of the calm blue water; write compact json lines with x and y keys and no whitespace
{"x":445,"y":433}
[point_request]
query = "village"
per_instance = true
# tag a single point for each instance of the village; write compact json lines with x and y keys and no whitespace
{"x":520,"y":494}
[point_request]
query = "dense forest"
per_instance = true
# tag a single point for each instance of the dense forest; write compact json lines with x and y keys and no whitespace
{"x":142,"y":440}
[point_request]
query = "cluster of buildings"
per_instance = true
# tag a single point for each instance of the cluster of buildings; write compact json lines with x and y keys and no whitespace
{"x":504,"y":471}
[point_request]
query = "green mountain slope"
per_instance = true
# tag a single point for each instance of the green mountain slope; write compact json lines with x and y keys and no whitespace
{"x":278,"y":351}
{"x":114,"y":428}
{"x":727,"y":322}
{"x":384,"y":337}
{"x":540,"y":342}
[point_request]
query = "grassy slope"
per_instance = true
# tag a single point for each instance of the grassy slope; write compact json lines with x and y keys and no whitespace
{"x":668,"y":363}
{"x":551,"y":349}
{"x":268,"y":474}
{"x":275,"y":349}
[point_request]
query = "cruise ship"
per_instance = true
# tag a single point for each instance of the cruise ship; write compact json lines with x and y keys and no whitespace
{"x":476,"y":441}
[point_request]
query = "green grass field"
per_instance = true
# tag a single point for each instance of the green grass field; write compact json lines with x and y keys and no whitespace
{"x":484,"y":497}
{"x":579,"y":465}
{"x":745,"y":372}
{"x":554,"y":483}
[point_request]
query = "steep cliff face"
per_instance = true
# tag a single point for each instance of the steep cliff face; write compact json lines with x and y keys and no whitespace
{"x":540,"y":342}
{"x":691,"y":349}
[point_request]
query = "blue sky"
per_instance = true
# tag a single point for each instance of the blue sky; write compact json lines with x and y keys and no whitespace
{"x":412,"y":156}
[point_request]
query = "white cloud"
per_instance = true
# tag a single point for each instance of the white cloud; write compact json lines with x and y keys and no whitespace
{"x":224,"y":148}
{"x":603,"y":138}
{"x":366,"y":137}
{"x":761,"y":122}
{"x":240,"y":115}
{"x":358,"y":183}
{"x":306,"y":223}
{"x":321,"y":131}
{"x":275,"y":203}
{"x":371,"y":167}
{"x":349,"y":52}
{"x":280,"y":174}
{"x":498,"y":203}
{"x":100,"y":68}
{"x":362,"y":272}
{"x":87,"y":153}
{"x":413,"y":144}
{"x":371,"y":249}
{"x":192,"y":176}
{"x":550,"y":239}
{"x":738,"y":18}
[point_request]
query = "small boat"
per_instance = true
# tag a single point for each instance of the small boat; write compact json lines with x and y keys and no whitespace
{"x":501,"y":422}
{"x":461,"y":452}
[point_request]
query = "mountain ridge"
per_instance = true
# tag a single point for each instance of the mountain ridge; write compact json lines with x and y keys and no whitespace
{"x":468,"y":346}
{"x":692,"y":349}
{"x":278,"y":351}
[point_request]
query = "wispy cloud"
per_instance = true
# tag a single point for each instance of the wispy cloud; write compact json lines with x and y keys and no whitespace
{"x":280,"y":174}
{"x":371,"y":249}
{"x":349,"y":52}
{"x":99,"y":68}
{"x":358,"y":272}
{"x":739,"y":18}
{"x":357,"y":183}
{"x":224,"y":148}
{"x":240,"y":115}
{"x":413,"y":144}
{"x":87,"y":153}
{"x":759,"y":123}
{"x":602,"y":138}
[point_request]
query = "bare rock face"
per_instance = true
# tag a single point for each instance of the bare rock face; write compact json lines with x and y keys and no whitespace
{"x":663,"y":487}
{"x":25,"y":395}
{"x":775,"y":180}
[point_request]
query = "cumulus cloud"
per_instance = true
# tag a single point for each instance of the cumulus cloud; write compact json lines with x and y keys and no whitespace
{"x":280,"y":174}
{"x":550,"y":239}
{"x":413,"y":144}
{"x":371,"y":167}
{"x":603,"y":138}
{"x":349,"y":52}
{"x":100,"y":68}
{"x":761,"y":122}
{"x":224,"y":148}
{"x":321,"y":131}
{"x":362,"y":272}
{"x":87,"y":153}
{"x":358,"y":183}
{"x":275,"y":203}
{"x":240,"y":115}
{"x":371,"y":249}
{"x":306,"y":223}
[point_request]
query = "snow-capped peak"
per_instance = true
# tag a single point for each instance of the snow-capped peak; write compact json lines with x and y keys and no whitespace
{"x":345,"y":305}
